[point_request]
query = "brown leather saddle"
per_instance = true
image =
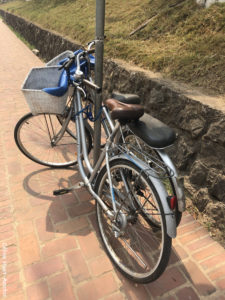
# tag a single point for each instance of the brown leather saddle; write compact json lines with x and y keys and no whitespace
{"x":124,"y":112}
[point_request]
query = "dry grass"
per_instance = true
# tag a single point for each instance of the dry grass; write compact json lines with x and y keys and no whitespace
{"x":185,"y":42}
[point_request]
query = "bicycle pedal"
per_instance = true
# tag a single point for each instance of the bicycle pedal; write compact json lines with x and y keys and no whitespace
{"x":61,"y":192}
{"x":68,"y":190}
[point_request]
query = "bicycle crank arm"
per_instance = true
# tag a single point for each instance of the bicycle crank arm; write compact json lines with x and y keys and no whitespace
{"x":68,"y":190}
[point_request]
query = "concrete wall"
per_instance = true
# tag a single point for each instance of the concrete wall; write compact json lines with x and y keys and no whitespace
{"x":199,"y":152}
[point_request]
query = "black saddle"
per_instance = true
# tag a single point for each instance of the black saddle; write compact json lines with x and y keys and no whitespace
{"x":151,"y":130}
{"x":126,"y":98}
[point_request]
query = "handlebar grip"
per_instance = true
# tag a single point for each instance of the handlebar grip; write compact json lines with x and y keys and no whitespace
{"x":92,"y":85}
{"x":67,"y":64}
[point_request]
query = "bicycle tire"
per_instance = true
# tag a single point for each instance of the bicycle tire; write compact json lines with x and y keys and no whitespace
{"x":31,"y":135}
{"x":139,"y":233}
{"x":168,"y":182}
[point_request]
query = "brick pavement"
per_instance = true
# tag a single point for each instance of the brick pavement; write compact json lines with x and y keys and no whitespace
{"x":49,"y":246}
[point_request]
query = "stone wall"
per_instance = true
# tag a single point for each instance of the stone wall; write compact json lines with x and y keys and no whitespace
{"x":199,"y":152}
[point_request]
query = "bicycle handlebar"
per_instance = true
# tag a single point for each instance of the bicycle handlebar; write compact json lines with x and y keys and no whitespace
{"x":81,"y":55}
{"x":90,"y":44}
{"x":67,"y":64}
{"x":92,"y":85}
{"x":90,"y":51}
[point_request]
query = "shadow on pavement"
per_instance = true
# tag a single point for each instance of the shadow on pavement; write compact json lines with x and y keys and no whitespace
{"x":74,"y":214}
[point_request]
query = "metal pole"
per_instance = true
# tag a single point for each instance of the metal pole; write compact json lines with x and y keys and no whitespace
{"x":99,"y":52}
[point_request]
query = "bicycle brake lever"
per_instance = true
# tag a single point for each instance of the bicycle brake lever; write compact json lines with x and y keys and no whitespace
{"x":67,"y":64}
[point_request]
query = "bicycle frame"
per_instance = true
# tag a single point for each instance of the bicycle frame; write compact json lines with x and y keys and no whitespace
{"x":89,"y":173}
{"x":82,"y":151}
{"x":90,"y":176}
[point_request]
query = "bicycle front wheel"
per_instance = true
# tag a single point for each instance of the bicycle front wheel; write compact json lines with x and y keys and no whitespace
{"x":136,"y":240}
{"x":34,"y":136}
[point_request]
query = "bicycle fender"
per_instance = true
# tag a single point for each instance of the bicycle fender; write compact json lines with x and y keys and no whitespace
{"x":175,"y":179}
{"x":169,"y":215}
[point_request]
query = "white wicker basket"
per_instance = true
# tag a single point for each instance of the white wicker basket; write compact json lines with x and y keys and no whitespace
{"x":58,"y":58}
{"x":38,"y":100}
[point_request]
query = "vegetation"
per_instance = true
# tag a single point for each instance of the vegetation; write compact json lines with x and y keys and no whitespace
{"x":181,"y":40}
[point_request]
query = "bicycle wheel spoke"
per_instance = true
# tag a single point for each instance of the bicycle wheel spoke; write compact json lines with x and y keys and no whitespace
{"x":134,"y":252}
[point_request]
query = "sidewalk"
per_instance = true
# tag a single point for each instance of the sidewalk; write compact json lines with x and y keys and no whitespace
{"x":49,"y":245}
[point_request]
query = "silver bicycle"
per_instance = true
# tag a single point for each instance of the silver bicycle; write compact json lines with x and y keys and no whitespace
{"x":136,"y":212}
{"x":135,"y":215}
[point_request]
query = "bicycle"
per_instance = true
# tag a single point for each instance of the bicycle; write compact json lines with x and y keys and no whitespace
{"x":157,"y":136}
{"x":134,"y":212}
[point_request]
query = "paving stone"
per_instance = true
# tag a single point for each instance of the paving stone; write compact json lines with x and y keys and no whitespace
{"x":89,"y":244}
{"x":100,"y":265}
{"x":198,"y":278}
{"x":187,"y":293}
{"x":132,"y":290}
{"x":195,"y":235}
{"x":55,"y":247}
{"x":61,"y":287}
{"x":212,"y":262}
{"x":81,"y":209}
{"x":117,"y":296}
{"x":97,"y":288}
{"x":29,"y":249}
{"x":24,"y":228}
{"x":200,"y":243}
{"x":187,"y":228}
{"x":170,"y":279}
{"x":221,"y":284}
{"x":71,"y":226}
{"x":77,"y":265}
{"x":207,"y":252}
{"x":42,"y":269}
{"x":38,"y":291}
{"x":58,"y":212}
{"x":45,"y":228}
{"x":217,"y":273}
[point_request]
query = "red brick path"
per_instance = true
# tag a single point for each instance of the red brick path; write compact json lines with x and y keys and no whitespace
{"x":49,"y":247}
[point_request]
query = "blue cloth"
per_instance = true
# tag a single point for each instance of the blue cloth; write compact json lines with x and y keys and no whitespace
{"x":62,"y":87}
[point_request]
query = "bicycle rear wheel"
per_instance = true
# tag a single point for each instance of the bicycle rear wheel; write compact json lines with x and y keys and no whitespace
{"x":139,"y":247}
{"x":34,"y":136}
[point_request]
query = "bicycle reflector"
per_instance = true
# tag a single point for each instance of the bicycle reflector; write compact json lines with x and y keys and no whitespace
{"x":172,"y":201}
